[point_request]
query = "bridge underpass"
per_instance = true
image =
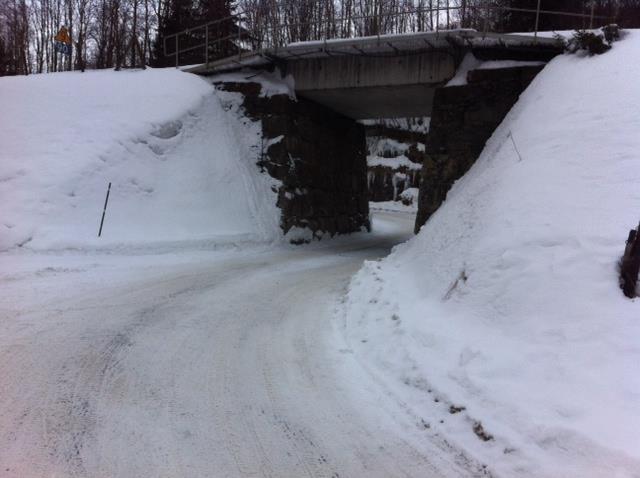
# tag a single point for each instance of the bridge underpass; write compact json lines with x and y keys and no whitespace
{"x":386,"y":76}
{"x":321,"y":157}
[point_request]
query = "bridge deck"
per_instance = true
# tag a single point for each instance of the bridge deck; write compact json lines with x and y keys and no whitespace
{"x":383,"y":45}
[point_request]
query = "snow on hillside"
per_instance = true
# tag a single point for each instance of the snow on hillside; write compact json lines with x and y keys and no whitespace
{"x":501,"y":326}
{"x":180,"y":158}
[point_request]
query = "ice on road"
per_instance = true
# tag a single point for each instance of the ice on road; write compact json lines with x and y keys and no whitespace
{"x":199,"y":364}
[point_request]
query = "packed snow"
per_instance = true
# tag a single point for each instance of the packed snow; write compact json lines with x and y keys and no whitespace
{"x":198,"y":364}
{"x":179,"y":156}
{"x":501,"y":326}
{"x":394,"y":206}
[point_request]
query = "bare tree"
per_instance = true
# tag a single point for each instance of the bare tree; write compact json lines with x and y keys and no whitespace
{"x":83,"y":11}
{"x":15,"y":34}
{"x":114,"y":33}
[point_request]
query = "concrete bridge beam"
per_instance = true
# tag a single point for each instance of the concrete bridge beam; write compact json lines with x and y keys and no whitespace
{"x":361,"y":71}
{"x":362,"y":87}
{"x":376,"y":101}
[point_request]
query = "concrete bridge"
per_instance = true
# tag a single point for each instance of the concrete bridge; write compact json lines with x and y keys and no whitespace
{"x":384,"y":76}
{"x":320,"y":157}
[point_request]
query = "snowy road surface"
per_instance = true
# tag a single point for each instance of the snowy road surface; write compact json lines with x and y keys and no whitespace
{"x":200,"y":364}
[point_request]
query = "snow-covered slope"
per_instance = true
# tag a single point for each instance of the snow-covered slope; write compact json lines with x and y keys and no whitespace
{"x":504,"y":314}
{"x":180,"y":158}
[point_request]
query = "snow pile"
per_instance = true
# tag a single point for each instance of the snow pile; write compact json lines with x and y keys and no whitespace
{"x":393,"y":206}
{"x":415,"y":125}
{"x":410,"y":196}
{"x":470,"y":62}
{"x":180,"y":157}
{"x":272,"y":83}
{"x":396,"y":162}
{"x":386,"y":147}
{"x":390,"y":153}
{"x":501,"y":325}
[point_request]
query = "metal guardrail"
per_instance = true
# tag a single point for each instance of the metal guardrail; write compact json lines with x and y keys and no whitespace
{"x":237,"y":36}
{"x":204,"y":31}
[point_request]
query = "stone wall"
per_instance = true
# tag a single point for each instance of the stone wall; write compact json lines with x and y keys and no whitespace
{"x":387,"y":184}
{"x":463,"y":119}
{"x":319,"y":157}
{"x":387,"y":181}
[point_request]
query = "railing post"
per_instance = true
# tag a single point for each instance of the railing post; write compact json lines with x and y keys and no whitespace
{"x":535,"y":34}
{"x":239,"y":45}
{"x":177,"y":57}
{"x":593,"y":6}
{"x":206,"y":45}
{"x":463,"y":14}
{"x":487,"y":9}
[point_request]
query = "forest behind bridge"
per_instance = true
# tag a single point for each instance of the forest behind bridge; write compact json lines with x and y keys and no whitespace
{"x":128,"y":33}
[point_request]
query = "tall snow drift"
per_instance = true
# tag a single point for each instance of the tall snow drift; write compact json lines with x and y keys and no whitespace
{"x":180,"y":157}
{"x":503,"y":318}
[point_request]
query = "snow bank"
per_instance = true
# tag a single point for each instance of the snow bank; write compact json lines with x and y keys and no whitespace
{"x":271,"y":83}
{"x":393,"y":206}
{"x":180,"y":158}
{"x":390,"y":153}
{"x":470,"y":62}
{"x":503,"y":320}
{"x":396,"y":162}
{"x":410,"y":196}
{"x":418,"y":124}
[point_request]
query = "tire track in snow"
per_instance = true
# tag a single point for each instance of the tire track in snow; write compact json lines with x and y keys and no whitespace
{"x":217,"y":369}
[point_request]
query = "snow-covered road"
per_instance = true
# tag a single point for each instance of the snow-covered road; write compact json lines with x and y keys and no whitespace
{"x":201,"y":364}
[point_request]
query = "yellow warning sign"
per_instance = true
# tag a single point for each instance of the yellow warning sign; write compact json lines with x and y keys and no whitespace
{"x":63,"y":36}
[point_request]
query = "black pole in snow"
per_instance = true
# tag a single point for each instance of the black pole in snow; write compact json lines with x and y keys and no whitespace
{"x":104,"y":210}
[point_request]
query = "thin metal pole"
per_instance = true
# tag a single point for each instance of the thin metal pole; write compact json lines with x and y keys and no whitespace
{"x":104,"y":210}
{"x":486,"y":17}
{"x":535,"y":35}
{"x":177,"y":62}
{"x":593,"y":6}
{"x":206,"y":45}
{"x":448,"y":17}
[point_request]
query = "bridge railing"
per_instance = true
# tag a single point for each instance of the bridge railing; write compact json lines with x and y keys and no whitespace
{"x":244,"y":32}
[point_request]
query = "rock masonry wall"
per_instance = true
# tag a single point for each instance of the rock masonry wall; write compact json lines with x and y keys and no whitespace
{"x":463,"y":119}
{"x":386,"y":182}
{"x":318,"y":156}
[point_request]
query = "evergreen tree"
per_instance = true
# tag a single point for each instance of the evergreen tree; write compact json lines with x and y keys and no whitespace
{"x":4,"y":58}
{"x":182,"y":14}
{"x":178,"y":15}
{"x":210,"y":10}
{"x":223,"y":28}
{"x":627,"y":13}
{"x":516,"y":21}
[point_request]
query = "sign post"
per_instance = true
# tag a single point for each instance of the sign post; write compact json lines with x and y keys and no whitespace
{"x":104,"y":210}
